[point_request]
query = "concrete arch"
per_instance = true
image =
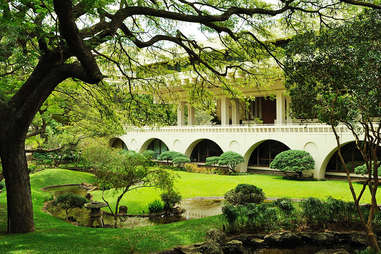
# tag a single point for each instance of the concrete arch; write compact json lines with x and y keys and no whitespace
{"x":117,"y":142}
{"x":329,"y":156}
{"x":146,"y":143}
{"x":192,"y":146}
{"x":255,"y":146}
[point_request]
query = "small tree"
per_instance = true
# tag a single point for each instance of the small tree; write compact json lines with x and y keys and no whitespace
{"x":293,"y":161}
{"x":125,"y":171}
{"x":212,"y":161}
{"x":69,"y":201}
{"x":230,"y":159}
{"x":363,"y":170}
{"x":149,"y":154}
{"x":170,"y":199}
{"x":244,"y":194}
{"x":180,"y":160}
{"x":169,"y":155}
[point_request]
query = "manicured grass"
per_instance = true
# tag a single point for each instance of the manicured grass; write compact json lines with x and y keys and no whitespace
{"x":53,"y":235}
{"x":205,"y":185}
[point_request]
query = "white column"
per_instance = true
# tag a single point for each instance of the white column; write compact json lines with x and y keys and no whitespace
{"x":190,"y":115}
{"x":180,"y":114}
{"x":224,"y":111}
{"x":288,"y":109}
{"x":280,"y":109}
{"x":235,"y":112}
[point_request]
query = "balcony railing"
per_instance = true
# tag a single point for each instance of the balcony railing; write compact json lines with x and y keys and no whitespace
{"x":258,"y":128}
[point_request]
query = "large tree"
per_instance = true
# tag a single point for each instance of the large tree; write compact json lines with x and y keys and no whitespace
{"x":335,"y":76}
{"x":43,"y":43}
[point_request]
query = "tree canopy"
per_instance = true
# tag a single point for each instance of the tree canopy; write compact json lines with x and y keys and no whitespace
{"x":335,"y":76}
{"x":44,"y":43}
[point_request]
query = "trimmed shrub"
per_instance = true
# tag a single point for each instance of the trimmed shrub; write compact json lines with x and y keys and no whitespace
{"x":314,"y":211}
{"x":69,"y":201}
{"x":362,"y":170}
{"x":230,"y":159}
{"x":180,"y":160}
{"x":149,"y":154}
{"x":155,"y":206}
{"x":170,"y":200}
{"x":339,"y":212}
{"x":285,"y":205}
{"x":169,"y":155}
{"x":212,"y":161}
{"x":244,"y":194}
{"x":293,"y":161}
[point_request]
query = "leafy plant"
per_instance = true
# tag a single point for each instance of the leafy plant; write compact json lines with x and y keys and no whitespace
{"x":314,"y":211}
{"x":170,"y":199}
{"x":169,"y":155}
{"x":155,"y":206}
{"x":69,"y":201}
{"x":230,"y":159}
{"x":363,"y":170}
{"x":244,"y":194}
{"x":180,"y":160}
{"x":293,"y":160}
{"x":149,"y":154}
{"x":124,"y":171}
{"x":285,"y":205}
{"x":212,"y":161}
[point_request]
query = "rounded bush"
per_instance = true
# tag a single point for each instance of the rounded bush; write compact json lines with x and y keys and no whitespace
{"x":149,"y":154}
{"x":180,"y":159}
{"x":244,"y":194}
{"x":155,"y":206}
{"x":170,"y":199}
{"x":293,"y":161}
{"x":362,"y":170}
{"x":169,"y":155}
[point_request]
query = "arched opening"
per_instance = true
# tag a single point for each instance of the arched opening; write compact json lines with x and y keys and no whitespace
{"x":157,"y":146}
{"x":205,"y":148}
{"x":352,"y":158}
{"x":265,"y":153}
{"x":118,"y":143}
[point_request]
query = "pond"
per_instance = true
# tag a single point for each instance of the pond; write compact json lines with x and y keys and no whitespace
{"x":198,"y":207}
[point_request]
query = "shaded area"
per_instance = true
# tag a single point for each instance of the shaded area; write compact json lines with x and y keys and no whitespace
{"x":157,"y":146}
{"x":118,"y":143}
{"x":352,"y":158}
{"x":205,"y":148}
{"x":265,"y":153}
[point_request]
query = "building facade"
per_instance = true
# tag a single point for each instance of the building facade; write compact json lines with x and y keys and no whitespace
{"x":258,"y":130}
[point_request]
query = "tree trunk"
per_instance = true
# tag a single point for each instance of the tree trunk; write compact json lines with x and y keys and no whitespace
{"x":16,"y":174}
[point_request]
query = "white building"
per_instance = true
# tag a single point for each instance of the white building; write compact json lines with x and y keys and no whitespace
{"x":239,"y":130}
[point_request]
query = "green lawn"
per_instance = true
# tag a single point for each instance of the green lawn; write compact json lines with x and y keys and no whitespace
{"x":194,"y":185}
{"x":55,"y":236}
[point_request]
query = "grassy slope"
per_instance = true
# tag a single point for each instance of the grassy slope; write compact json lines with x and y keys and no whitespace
{"x":53,"y":235}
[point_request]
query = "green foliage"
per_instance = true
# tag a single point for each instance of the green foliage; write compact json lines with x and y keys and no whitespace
{"x":169,"y":155}
{"x":180,"y":160}
{"x":285,"y":205}
{"x":155,"y":206}
{"x":243,"y":194}
{"x":170,"y":199}
{"x":230,"y":159}
{"x":313,"y":211}
{"x":149,"y":154}
{"x":212,"y":161}
{"x":69,"y":201}
{"x":293,"y":160}
{"x":54,"y":159}
{"x":334,"y":75}
{"x":250,"y":217}
{"x":123,"y":171}
{"x":363,"y":170}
